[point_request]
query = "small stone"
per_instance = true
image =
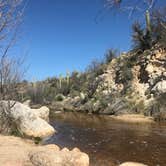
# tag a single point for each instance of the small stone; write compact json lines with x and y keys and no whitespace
{"x":132,"y":164}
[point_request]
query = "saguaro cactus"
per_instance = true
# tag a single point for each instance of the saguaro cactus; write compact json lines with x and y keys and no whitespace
{"x":148,"y":23}
{"x":68,"y":77}
{"x":60,"y":81}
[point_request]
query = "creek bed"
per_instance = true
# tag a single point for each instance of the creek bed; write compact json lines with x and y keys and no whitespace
{"x":109,"y":142}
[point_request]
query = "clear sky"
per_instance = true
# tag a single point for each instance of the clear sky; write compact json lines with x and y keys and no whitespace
{"x":62,"y":35}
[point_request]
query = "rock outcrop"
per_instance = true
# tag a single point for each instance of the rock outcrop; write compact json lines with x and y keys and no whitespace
{"x":30,"y":122}
{"x":137,"y":79}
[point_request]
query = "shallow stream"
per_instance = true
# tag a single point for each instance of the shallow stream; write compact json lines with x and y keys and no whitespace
{"x":109,"y":142}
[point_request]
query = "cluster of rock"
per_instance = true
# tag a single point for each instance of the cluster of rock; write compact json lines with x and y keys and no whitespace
{"x":32,"y":123}
{"x":51,"y":155}
{"x":15,"y":151}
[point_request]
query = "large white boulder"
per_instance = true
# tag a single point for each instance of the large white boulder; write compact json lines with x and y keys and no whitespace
{"x":27,"y":103}
{"x":30,"y":122}
{"x":42,"y":112}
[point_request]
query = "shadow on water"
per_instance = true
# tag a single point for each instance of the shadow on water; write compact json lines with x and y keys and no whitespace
{"x":109,"y":142}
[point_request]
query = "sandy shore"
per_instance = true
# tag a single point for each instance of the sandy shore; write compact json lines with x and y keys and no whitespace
{"x":133,"y":118}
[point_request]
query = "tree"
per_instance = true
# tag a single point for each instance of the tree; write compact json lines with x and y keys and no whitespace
{"x":141,"y":6}
{"x":143,"y":37}
{"x":110,"y":55}
{"x":11,"y":12}
{"x":131,"y":6}
{"x":10,"y":68}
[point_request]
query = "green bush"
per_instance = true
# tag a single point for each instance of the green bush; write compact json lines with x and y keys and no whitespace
{"x":59,"y":97}
{"x":110,"y":55}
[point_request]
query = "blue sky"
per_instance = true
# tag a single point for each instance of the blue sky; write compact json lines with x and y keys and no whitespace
{"x":62,"y":35}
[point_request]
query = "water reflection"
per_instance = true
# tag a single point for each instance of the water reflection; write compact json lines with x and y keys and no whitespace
{"x":109,"y":142}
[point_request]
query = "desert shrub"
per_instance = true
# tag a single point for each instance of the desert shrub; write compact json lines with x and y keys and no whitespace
{"x":124,"y":73}
{"x":36,"y":91}
{"x":110,"y":55}
{"x":8,"y":125}
{"x":159,"y":26}
{"x":144,"y":39}
{"x":37,"y":140}
{"x":158,"y":107}
{"x":95,"y":68}
{"x":59,"y":97}
{"x":92,"y":86}
{"x":64,"y":89}
{"x":136,"y":106}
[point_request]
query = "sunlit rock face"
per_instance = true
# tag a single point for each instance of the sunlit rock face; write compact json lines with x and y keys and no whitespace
{"x":138,"y":81}
{"x":30,"y":122}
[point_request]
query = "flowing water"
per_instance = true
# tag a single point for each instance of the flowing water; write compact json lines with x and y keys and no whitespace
{"x":109,"y":142}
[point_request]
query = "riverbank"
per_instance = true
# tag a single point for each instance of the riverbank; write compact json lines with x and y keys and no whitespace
{"x":15,"y":151}
{"x":25,"y":122}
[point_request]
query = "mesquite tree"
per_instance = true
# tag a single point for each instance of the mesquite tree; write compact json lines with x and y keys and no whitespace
{"x":145,"y":7}
{"x":10,"y":74}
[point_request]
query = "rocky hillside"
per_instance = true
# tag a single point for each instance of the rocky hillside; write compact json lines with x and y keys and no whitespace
{"x":140,"y":78}
{"x":134,"y":82}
